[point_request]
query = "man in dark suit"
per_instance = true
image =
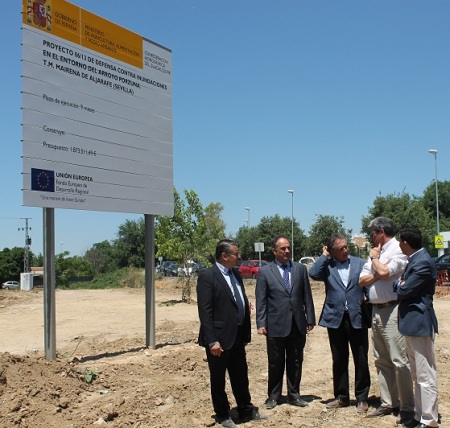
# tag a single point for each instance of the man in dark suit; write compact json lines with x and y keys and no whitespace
{"x":342,"y":315}
{"x":284,"y":314}
{"x":418,"y":323}
{"x":224,"y":314}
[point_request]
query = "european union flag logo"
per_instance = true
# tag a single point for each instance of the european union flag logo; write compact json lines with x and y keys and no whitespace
{"x":42,"y":180}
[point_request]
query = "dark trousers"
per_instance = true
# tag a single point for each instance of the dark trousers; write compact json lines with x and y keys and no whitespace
{"x":234,"y":360}
{"x":285,"y":351}
{"x":358,"y":338}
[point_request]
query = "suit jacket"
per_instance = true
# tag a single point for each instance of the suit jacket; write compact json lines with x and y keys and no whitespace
{"x":276,"y":307}
{"x":416,"y":316}
{"x":218,"y":311}
{"x":337,"y":294}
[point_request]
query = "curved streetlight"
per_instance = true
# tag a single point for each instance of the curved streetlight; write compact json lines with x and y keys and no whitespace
{"x":248,"y":215}
{"x":434,"y":152}
{"x":292,"y":224}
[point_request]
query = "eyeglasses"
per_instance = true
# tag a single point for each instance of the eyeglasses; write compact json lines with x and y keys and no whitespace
{"x":236,"y":254}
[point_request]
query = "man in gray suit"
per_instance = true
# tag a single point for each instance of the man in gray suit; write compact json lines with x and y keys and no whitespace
{"x":342,"y":316}
{"x":284,"y":314}
{"x":418,"y":323}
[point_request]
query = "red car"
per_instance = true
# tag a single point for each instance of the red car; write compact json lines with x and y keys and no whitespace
{"x":250,"y":268}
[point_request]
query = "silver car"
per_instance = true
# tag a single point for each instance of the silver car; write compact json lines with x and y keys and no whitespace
{"x":10,"y":285}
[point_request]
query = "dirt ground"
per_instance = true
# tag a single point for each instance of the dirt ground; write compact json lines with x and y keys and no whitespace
{"x":105,"y":376}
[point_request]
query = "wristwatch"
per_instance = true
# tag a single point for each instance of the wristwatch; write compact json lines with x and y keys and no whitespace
{"x":374,"y":257}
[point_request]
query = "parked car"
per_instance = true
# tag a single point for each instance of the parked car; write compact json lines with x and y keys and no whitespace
{"x":171,"y":269}
{"x":193,"y":269}
{"x":197,"y":268}
{"x":10,"y":285}
{"x":308,"y":261}
{"x":250,"y":268}
{"x":443,"y":262}
{"x":162,"y":267}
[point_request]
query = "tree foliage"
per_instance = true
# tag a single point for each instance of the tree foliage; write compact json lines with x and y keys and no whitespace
{"x":129,"y":246}
{"x":102,"y":257}
{"x":319,"y":232}
{"x":178,"y":237}
{"x":68,"y":269}
{"x":190,"y":234}
{"x":11,"y":263}
{"x":265,"y":231}
{"x":403,"y":210}
{"x":214,"y":230}
{"x":429,"y":202}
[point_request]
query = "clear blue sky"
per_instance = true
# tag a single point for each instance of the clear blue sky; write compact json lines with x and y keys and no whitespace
{"x":338,"y":100}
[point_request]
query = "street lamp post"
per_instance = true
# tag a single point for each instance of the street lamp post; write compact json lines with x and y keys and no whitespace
{"x":292,"y":223}
{"x":248,"y":216}
{"x":62,"y":243}
{"x":246,"y":221}
{"x":434,"y":152}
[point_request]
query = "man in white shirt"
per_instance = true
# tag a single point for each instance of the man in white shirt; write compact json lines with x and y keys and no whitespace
{"x":385,"y":265}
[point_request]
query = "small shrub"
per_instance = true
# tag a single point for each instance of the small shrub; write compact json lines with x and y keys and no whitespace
{"x":133,"y":278}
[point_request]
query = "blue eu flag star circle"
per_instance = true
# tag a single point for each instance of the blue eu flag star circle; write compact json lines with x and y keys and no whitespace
{"x":42,"y":180}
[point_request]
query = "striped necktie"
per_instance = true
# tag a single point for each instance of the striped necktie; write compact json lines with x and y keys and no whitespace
{"x":237,"y":297}
{"x":287,"y":284}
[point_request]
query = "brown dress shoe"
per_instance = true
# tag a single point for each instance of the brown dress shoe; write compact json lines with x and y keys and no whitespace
{"x":362,"y":407}
{"x":382,"y":411}
{"x":337,"y":403}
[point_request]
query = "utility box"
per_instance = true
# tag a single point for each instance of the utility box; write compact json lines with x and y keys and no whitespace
{"x":26,"y":281}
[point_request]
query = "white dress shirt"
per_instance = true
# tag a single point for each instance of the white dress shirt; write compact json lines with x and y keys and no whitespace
{"x":381,"y":291}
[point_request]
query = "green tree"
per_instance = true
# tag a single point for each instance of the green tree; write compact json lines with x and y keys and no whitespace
{"x":403,"y":210}
{"x":246,"y":238}
{"x":102,"y":257}
{"x":323,"y":227}
{"x":37,"y":260}
{"x":429,"y":202}
{"x":184,"y":235}
{"x":267,"y":228}
{"x":214,"y":230}
{"x":11,"y":263}
{"x":129,"y":247}
{"x":69,"y":268}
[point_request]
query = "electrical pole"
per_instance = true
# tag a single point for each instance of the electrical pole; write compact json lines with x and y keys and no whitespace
{"x":26,"y":255}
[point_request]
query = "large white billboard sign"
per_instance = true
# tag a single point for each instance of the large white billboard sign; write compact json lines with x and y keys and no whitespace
{"x":97,"y":113}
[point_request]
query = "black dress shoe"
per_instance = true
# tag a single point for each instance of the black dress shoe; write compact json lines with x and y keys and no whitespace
{"x":298,"y":402}
{"x":270,"y":404}
{"x":226,"y":423}
{"x":410,"y":423}
{"x":255,"y":416}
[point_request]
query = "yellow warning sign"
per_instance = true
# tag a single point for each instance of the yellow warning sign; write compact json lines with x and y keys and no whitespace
{"x":438,"y":241}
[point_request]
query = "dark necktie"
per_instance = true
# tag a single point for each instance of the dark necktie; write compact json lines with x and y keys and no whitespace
{"x":237,"y":297}
{"x":287,"y":284}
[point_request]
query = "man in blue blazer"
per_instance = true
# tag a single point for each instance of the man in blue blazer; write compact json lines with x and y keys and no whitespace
{"x":342,"y":315}
{"x":224,"y":314}
{"x":418,"y":323}
{"x":284,"y":314}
